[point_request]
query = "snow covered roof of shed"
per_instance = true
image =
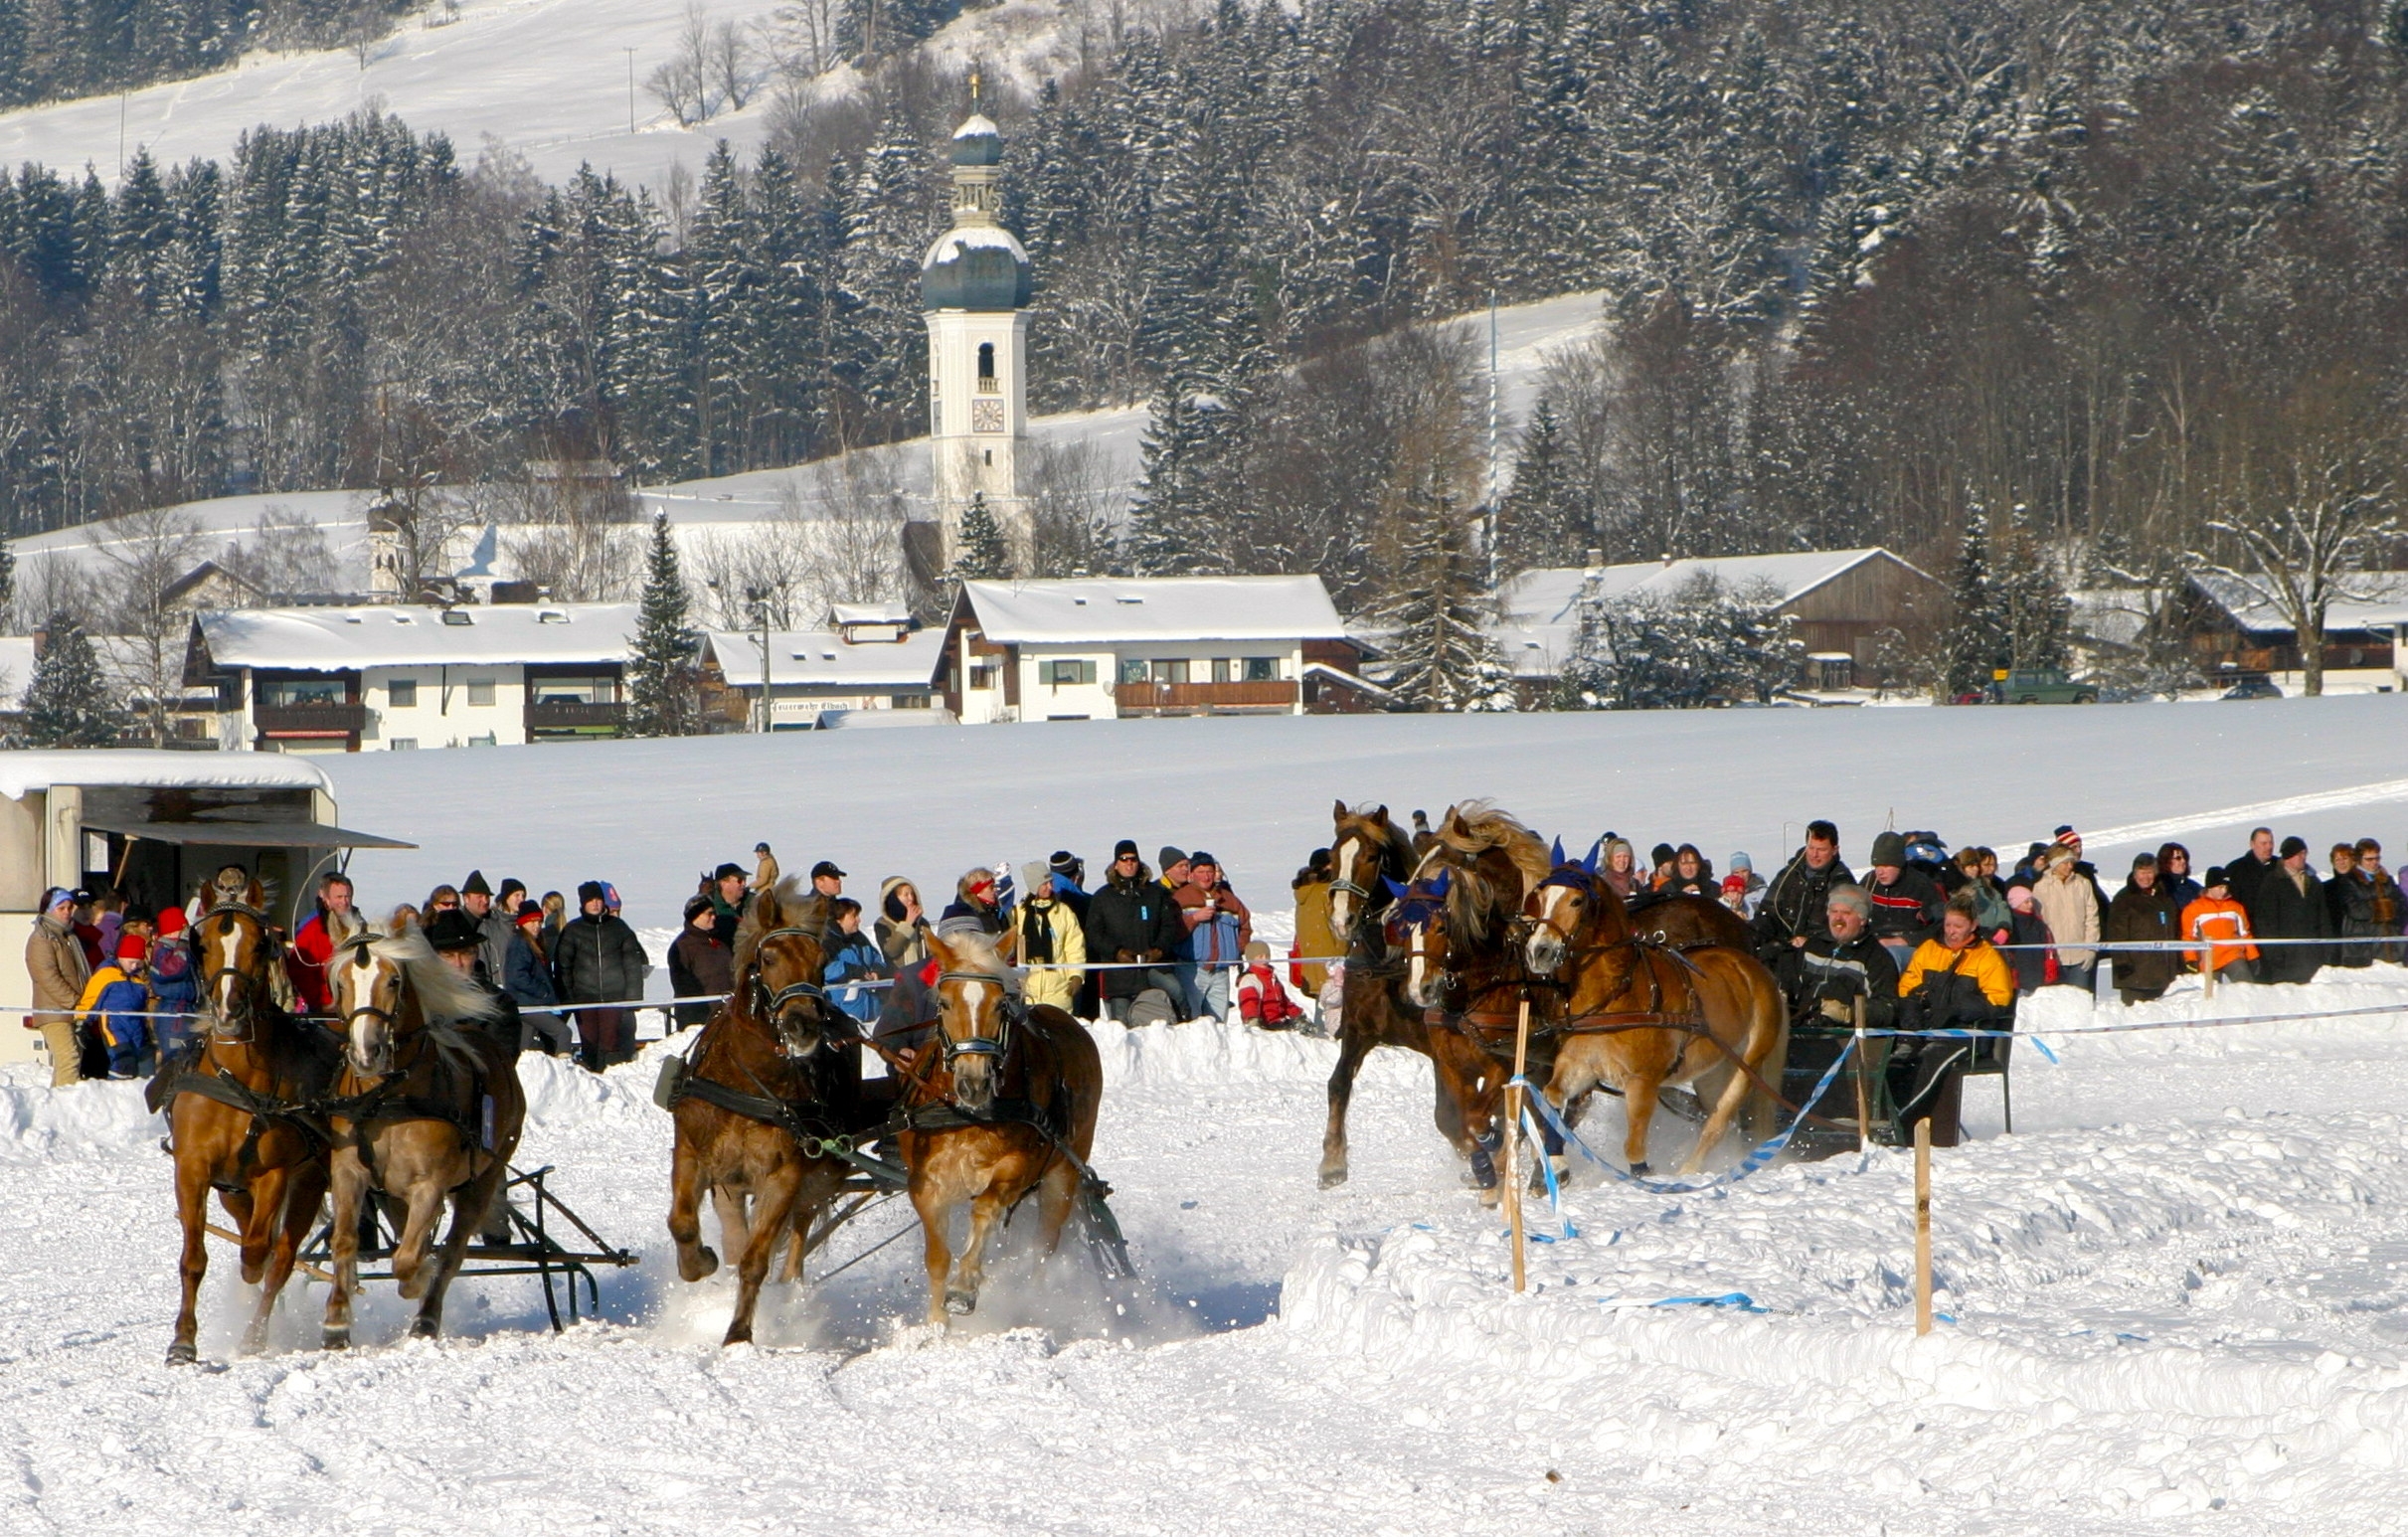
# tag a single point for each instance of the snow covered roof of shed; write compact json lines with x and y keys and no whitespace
{"x":403,"y":635}
{"x":822,"y":658}
{"x":21,"y":773}
{"x":1106,"y":609}
{"x":1541,"y":607}
{"x":894,"y":611}
{"x":2370,"y":598}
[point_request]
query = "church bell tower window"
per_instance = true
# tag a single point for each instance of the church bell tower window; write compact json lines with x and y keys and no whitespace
{"x":987,"y":368}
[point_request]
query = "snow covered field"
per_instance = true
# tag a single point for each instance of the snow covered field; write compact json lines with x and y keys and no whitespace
{"x":2179,"y":1292}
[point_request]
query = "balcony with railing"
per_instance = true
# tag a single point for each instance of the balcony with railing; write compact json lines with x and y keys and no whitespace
{"x":575,"y":715}
{"x":315,"y":719}
{"x":1151,"y":698}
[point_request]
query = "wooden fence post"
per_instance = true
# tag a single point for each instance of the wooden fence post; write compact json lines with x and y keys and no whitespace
{"x":1513,"y":1145}
{"x":1864,"y":1109}
{"x":1923,"y":1226}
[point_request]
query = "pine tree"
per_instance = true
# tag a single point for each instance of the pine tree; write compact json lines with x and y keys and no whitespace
{"x":660,"y":680}
{"x":2036,"y":615}
{"x":1977,"y":643}
{"x":1540,"y":521}
{"x":981,"y":552}
{"x":1442,"y":656}
{"x":67,"y":704}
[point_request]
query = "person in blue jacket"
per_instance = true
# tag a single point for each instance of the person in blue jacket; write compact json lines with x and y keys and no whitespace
{"x":854,"y":957}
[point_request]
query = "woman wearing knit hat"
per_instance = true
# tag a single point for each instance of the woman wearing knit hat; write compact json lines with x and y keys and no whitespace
{"x":173,"y":986}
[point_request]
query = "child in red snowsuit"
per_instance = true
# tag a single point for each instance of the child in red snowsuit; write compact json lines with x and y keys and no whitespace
{"x":1260,"y":999}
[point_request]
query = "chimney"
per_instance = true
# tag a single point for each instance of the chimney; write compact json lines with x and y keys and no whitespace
{"x":1667,"y":558}
{"x":1596,"y":557}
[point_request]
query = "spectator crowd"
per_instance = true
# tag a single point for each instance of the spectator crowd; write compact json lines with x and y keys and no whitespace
{"x":1924,"y":936}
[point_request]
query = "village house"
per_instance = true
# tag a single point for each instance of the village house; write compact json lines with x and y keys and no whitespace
{"x":1111,"y":647}
{"x":2231,"y":627}
{"x":395,"y":676}
{"x":1845,"y":605}
{"x":869,"y":657}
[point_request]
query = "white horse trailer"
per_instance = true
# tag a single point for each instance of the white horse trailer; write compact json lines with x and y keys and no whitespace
{"x":154,"y":825}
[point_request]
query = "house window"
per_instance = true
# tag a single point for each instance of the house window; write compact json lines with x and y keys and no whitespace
{"x":481,"y":692}
{"x":402,"y":694}
{"x":403,"y":744}
{"x":987,"y":368}
{"x":1262,"y":669}
{"x":909,"y":701}
{"x":982,"y":677}
{"x":1070,"y":674}
{"x":483,"y":741}
{"x":1171,"y":671}
{"x":575,"y":691}
{"x":1132,"y":670}
{"x":1219,"y":669}
{"x":284,"y":693}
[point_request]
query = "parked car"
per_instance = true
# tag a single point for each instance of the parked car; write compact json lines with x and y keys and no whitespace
{"x":2254,"y":685}
{"x":2044,"y":686}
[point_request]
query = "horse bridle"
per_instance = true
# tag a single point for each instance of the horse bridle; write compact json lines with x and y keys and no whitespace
{"x":993,"y":1045}
{"x":767,"y":1003}
{"x":209,"y":984}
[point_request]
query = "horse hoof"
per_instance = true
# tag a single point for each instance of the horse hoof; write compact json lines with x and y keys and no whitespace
{"x":336,"y":1339}
{"x":254,"y":1342}
{"x":736,"y":1337}
{"x":1490,"y":1195}
{"x":1640,"y":1168}
{"x":959,"y":1304}
{"x":1332,"y":1177}
{"x":699,"y":1267}
{"x":181,"y":1353}
{"x":426,"y":1328}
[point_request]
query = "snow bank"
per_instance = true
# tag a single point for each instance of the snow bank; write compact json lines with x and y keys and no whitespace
{"x":38,"y":1122}
{"x":2193,"y":1296}
{"x":1210,"y":1051}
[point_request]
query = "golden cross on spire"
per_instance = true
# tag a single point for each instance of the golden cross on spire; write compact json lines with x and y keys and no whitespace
{"x":974,"y":87}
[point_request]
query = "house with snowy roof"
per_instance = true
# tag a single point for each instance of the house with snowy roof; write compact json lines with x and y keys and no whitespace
{"x":1111,"y":647}
{"x":867,"y":657}
{"x":2233,"y":625}
{"x":389,"y":676}
{"x":1843,"y":604}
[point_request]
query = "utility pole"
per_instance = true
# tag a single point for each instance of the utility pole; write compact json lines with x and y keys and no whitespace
{"x":630,"y":52}
{"x":761,"y":603}
{"x":1489,"y":497}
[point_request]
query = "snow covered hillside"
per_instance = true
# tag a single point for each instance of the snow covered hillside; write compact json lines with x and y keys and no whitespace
{"x":547,"y":77}
{"x":2174,"y":1298}
{"x":733,"y":506}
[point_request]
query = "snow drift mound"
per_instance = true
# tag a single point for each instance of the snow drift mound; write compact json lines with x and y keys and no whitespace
{"x":38,"y":1122}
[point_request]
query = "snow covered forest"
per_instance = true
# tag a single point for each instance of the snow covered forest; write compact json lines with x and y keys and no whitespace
{"x":2125,"y":267}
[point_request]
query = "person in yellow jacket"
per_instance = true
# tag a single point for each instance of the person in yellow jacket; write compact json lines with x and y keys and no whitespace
{"x":1956,"y":981}
{"x":1050,"y":935}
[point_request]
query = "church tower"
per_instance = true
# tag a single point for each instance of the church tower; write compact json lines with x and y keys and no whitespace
{"x":973,"y":286}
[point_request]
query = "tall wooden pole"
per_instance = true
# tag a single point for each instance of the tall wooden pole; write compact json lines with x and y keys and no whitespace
{"x":1864,"y":1111}
{"x":1513,"y":1146}
{"x":1923,"y":1226}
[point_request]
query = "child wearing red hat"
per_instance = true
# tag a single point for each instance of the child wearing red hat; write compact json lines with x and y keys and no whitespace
{"x":117,"y":1001}
{"x":173,"y":986}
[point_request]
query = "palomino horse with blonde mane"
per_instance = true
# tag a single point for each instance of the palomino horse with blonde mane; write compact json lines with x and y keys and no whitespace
{"x":1636,"y":1016}
{"x":768,"y":1078}
{"x":999,"y":1102}
{"x":234,"y":1116}
{"x":423,"y":1111}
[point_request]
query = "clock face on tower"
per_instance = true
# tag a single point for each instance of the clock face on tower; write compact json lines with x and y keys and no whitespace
{"x":986,"y":415}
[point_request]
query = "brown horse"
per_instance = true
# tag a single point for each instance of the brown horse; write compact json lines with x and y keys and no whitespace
{"x":1001,"y":1102}
{"x":1367,"y":853}
{"x":421,"y":1111}
{"x":1637,"y":1017}
{"x":767,"y":1074}
{"x":224,"y":1124}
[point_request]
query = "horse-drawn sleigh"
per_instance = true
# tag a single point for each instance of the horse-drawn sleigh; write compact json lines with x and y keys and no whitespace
{"x":1455,"y":938}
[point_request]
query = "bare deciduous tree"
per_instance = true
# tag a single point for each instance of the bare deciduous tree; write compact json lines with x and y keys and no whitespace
{"x":145,"y":556}
{"x":857,"y":554}
{"x":286,"y":553}
{"x":1072,"y":510}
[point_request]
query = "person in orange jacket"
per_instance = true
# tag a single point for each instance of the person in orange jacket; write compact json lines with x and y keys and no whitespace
{"x":2213,"y":917}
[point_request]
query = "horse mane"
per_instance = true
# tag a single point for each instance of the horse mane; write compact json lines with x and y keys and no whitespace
{"x":1396,"y":844}
{"x":980,"y":952}
{"x":1484,"y":827}
{"x":796,"y":905}
{"x":441,"y":992}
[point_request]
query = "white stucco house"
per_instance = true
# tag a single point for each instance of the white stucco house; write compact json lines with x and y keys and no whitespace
{"x":868,"y":658}
{"x":368,"y":677}
{"x":1110,"y":648}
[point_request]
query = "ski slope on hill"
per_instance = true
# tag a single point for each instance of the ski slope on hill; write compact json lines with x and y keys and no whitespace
{"x":547,"y":77}
{"x":2173,"y":1301}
